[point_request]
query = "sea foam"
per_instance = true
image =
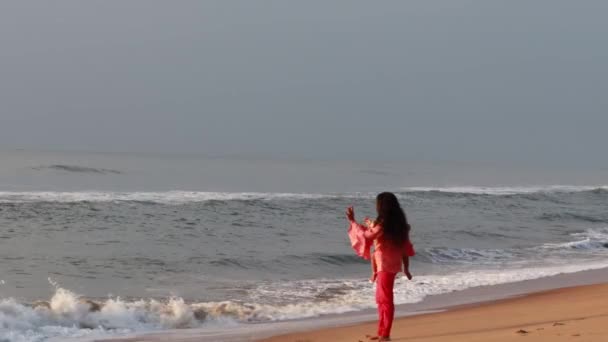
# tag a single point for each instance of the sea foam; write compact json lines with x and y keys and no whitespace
{"x":66,"y":314}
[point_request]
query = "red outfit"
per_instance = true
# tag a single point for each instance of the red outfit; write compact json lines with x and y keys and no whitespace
{"x":384,"y":298}
{"x":389,"y":260}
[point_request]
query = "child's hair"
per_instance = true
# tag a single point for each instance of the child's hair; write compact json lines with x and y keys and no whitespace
{"x":392,"y":218}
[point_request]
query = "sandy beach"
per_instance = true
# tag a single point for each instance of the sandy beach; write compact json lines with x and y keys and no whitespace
{"x":568,"y":314}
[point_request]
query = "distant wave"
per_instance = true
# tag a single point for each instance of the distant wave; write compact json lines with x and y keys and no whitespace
{"x":337,"y":259}
{"x":321,"y":259}
{"x":603,"y":218}
{"x":315,"y":259}
{"x":77,"y":169}
{"x":180,"y":197}
{"x":444,"y":255}
{"x":591,"y":241}
{"x":167,"y":197}
{"x":481,"y":190}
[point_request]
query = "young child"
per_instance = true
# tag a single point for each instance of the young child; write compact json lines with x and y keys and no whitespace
{"x":409,"y":251}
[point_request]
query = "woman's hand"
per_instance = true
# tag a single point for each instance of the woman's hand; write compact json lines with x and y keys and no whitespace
{"x":350,"y":214}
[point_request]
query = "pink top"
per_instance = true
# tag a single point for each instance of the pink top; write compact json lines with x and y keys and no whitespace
{"x":358,"y":241}
{"x":389,"y":257}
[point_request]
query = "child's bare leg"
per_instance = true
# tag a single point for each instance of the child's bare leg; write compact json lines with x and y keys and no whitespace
{"x":406,"y":267}
{"x":374,"y":270}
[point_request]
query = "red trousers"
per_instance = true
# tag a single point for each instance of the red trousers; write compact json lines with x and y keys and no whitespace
{"x":386,"y":306}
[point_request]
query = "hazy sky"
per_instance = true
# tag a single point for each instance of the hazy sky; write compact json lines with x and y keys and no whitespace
{"x":458,"y":80}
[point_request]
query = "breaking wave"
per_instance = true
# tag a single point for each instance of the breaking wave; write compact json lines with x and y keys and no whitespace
{"x":590,"y":239}
{"x":68,"y":315}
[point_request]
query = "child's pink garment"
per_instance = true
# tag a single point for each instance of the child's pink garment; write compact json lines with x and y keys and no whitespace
{"x":388,"y":257}
{"x":360,"y":244}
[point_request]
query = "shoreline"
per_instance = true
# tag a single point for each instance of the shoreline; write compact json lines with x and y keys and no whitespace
{"x":577,"y":313}
{"x":468,"y":299}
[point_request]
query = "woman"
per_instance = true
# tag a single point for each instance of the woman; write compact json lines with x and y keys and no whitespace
{"x":390,"y":234}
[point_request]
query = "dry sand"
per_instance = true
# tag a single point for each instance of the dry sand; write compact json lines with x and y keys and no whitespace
{"x":568,"y":314}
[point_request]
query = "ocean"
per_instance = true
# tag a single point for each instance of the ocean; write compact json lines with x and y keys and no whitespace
{"x":97,"y":245}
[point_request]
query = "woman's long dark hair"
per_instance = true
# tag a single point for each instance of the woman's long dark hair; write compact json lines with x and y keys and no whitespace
{"x":392,"y":218}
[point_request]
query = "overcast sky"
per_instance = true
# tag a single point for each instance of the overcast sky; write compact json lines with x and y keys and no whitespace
{"x":457,"y":80}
